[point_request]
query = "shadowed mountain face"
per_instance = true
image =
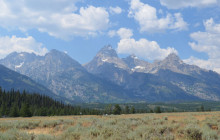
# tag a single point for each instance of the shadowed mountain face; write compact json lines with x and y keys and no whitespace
{"x":108,"y":78}
{"x":12,"y":80}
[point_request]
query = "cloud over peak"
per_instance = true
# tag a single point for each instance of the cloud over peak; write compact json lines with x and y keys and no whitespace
{"x":18,"y":44}
{"x":142,"y":48}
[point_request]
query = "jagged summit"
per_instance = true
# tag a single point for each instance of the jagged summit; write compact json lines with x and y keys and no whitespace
{"x":170,"y":62}
{"x":136,"y":65}
{"x":105,"y":58}
{"x":173,"y":58}
{"x":20,"y":54}
{"x":132,"y":56}
{"x":54,"y":51}
{"x":107,"y":51}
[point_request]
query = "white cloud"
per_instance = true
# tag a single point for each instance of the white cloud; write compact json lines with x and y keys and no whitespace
{"x":210,"y":64}
{"x":176,"y":4}
{"x":125,"y":33}
{"x":122,"y":33}
{"x":142,"y":48}
{"x":115,"y":10}
{"x":28,"y":44}
{"x":207,"y":42}
{"x":112,"y":33}
{"x":59,"y":18}
{"x":148,"y":20}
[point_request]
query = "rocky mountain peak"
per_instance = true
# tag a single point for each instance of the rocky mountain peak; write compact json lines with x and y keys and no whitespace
{"x":60,"y":60}
{"x":55,"y":52}
{"x":132,"y":56}
{"x":107,"y":51}
{"x":55,"y":55}
{"x":20,"y":55}
{"x":131,"y":60}
{"x":17,"y":60}
{"x":173,"y":58}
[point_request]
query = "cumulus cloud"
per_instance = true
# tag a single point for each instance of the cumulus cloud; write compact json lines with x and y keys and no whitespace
{"x":122,"y":33}
{"x":210,"y":64}
{"x":115,"y":10}
{"x":58,"y":18}
{"x":207,"y":42}
{"x":142,"y":48}
{"x":148,"y":20}
{"x":28,"y":44}
{"x":112,"y":33}
{"x":176,"y":4}
{"x":125,"y":33}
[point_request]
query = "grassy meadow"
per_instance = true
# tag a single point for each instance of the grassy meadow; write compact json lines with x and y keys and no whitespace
{"x":165,"y":126}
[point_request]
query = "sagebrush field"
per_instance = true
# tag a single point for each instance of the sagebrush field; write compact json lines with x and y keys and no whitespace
{"x":165,"y":126}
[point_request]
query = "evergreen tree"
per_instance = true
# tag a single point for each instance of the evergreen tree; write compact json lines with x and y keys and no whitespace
{"x":25,"y":110}
{"x":108,"y":109}
{"x":127,"y":110}
{"x":3,"y":109}
{"x":14,"y":103}
{"x":14,"y":111}
{"x":117,"y":110}
{"x":43,"y":111}
{"x":133,"y":110}
{"x":202,"y":108}
{"x":157,"y":110}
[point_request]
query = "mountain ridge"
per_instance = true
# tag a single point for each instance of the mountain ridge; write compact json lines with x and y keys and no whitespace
{"x":67,"y":78}
{"x":108,"y":78}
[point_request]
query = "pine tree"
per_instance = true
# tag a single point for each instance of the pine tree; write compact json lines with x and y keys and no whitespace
{"x":202,"y":108}
{"x":14,"y":111}
{"x":25,"y":110}
{"x":127,"y":110}
{"x":43,"y":112}
{"x":117,"y":110}
{"x":157,"y":110}
{"x":108,"y":109}
{"x":3,"y":109}
{"x":133,"y":110}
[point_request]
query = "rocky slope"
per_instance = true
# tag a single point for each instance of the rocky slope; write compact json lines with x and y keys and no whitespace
{"x":65,"y":77}
{"x":172,"y":71}
{"x":108,"y":78}
{"x":12,"y":80}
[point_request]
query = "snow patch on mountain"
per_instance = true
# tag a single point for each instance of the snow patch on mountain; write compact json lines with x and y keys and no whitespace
{"x":19,"y":66}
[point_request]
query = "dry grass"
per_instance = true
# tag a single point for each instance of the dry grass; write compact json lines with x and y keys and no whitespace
{"x":168,"y":126}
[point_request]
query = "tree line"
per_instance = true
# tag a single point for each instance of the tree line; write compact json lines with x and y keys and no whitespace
{"x":17,"y":104}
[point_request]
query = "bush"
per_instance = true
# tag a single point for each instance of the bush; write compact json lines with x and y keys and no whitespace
{"x":193,"y":132}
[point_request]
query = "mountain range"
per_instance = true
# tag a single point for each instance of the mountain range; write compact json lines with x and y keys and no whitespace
{"x":108,"y":78}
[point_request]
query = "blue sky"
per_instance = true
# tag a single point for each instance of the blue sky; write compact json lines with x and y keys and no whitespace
{"x":150,"y":29}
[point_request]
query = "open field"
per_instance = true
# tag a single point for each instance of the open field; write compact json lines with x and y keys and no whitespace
{"x":165,"y":126}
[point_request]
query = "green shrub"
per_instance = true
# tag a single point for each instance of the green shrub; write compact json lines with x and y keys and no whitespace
{"x":193,"y":132}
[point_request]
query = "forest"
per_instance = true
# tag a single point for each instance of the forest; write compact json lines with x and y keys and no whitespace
{"x":17,"y":104}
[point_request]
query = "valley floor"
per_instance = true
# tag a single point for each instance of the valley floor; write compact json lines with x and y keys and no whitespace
{"x":167,"y":126}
